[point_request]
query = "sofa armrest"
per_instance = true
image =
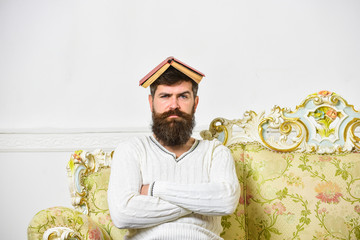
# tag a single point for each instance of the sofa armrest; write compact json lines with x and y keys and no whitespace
{"x":64,"y":223}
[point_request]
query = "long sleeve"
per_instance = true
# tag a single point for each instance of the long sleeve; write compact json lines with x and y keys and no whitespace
{"x":218,"y":196}
{"x":129,"y":209}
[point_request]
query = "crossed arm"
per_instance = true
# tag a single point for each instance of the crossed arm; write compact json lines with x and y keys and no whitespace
{"x":131,"y":205}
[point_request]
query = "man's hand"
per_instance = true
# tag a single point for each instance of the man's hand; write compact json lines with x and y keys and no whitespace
{"x":144,"y":189}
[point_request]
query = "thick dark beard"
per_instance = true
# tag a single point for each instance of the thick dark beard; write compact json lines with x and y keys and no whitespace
{"x":175,"y":131}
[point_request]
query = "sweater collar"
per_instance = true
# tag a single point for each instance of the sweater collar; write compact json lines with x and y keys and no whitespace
{"x":161,"y":147}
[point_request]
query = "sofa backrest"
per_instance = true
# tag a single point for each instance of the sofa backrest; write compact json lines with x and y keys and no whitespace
{"x":299,"y":170}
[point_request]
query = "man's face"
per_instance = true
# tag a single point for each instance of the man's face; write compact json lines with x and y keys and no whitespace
{"x":179,"y":96}
{"x":173,"y":109}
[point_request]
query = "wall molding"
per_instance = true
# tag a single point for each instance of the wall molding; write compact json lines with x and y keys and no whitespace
{"x":67,"y":140}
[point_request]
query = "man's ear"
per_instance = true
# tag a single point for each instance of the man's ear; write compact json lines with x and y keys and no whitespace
{"x":151,"y":102}
{"x":196,"y":103}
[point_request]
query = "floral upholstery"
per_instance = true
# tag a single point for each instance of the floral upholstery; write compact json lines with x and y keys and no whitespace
{"x":295,"y":195}
{"x":97,"y":185}
{"x":301,"y":195}
{"x":234,"y":225}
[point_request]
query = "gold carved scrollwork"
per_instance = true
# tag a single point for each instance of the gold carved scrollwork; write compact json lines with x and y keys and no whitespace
{"x":334,"y":99}
{"x":317,"y":100}
{"x":242,"y":130}
{"x":285,"y":126}
{"x":216,"y":127}
{"x":90,"y":163}
{"x":350,"y":128}
{"x":61,"y":233}
{"x":326,"y":97}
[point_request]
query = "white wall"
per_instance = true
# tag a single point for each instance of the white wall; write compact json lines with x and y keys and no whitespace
{"x":71,"y":68}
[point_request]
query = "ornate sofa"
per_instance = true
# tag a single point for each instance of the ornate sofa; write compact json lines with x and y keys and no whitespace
{"x":299,"y":172}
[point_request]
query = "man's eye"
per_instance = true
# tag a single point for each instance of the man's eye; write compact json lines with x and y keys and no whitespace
{"x":164,"y":96}
{"x":183,"y":96}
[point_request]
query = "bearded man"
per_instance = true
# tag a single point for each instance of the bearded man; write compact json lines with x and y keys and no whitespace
{"x":171,"y":185}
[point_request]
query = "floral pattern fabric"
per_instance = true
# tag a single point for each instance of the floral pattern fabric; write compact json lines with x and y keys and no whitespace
{"x":97,"y":185}
{"x":234,"y":225}
{"x":296,"y":195}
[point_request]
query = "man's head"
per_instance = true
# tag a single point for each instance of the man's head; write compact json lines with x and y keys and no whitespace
{"x":173,"y":102}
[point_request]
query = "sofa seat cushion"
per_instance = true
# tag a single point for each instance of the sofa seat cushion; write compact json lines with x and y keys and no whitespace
{"x":301,"y":195}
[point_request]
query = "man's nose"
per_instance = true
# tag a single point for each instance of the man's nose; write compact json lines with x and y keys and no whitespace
{"x":174,"y":104}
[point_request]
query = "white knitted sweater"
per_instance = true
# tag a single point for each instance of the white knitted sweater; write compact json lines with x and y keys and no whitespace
{"x":187,"y":195}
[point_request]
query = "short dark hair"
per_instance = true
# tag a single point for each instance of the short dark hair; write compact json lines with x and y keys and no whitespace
{"x":170,"y":77}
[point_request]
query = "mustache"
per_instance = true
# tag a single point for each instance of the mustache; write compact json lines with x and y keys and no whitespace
{"x":175,"y":112}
